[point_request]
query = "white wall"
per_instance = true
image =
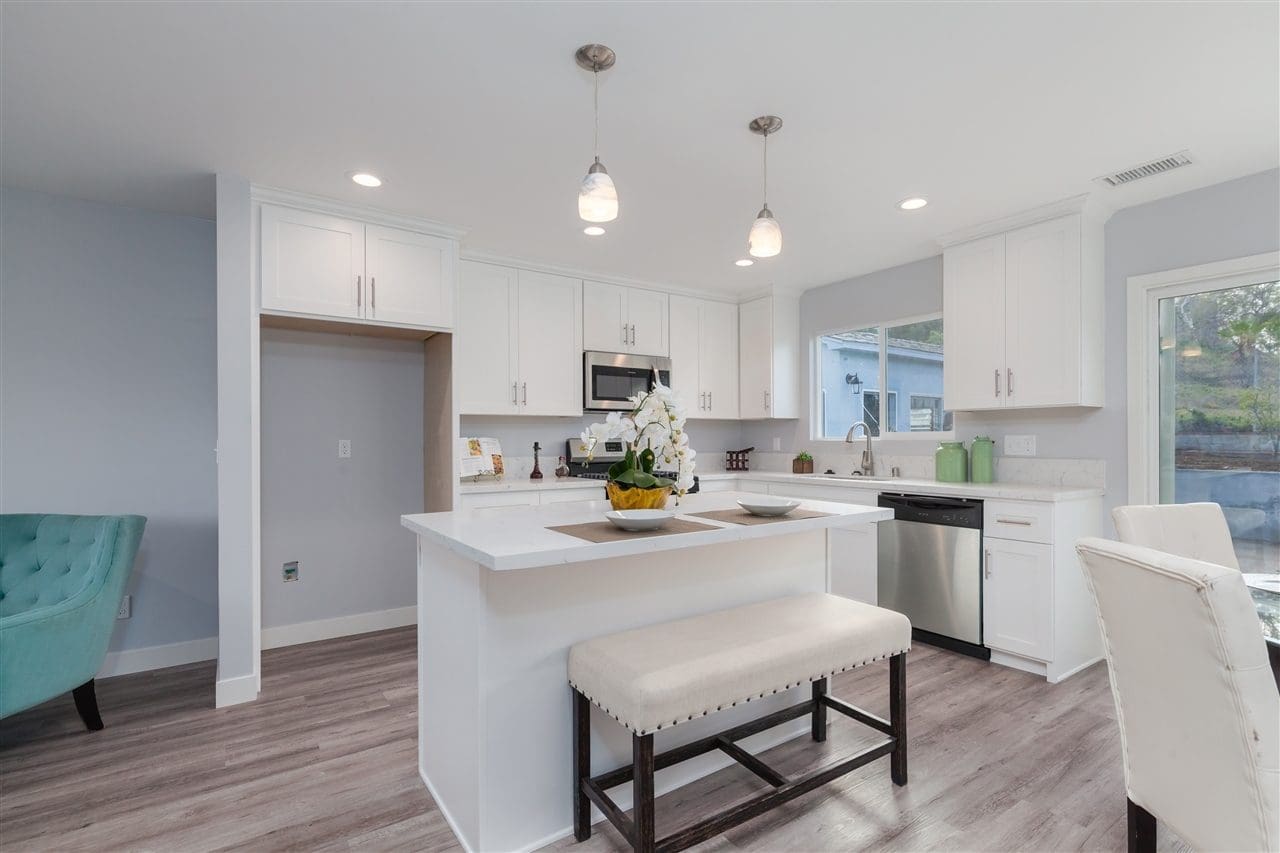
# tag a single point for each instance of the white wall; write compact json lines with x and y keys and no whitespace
{"x":340,"y":518}
{"x":107,"y":383}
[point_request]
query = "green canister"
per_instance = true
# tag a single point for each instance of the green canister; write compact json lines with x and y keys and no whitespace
{"x":982,"y":461}
{"x":951,"y":462}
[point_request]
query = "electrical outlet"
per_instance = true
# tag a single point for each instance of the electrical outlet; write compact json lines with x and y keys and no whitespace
{"x":126,"y":607}
{"x":344,"y":448}
{"x":777,"y":442}
{"x":290,"y":571}
{"x":1019,"y":445}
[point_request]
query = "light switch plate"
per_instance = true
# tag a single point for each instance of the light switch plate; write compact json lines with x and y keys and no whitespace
{"x":126,"y":607}
{"x":1019,"y":445}
{"x":344,"y":448}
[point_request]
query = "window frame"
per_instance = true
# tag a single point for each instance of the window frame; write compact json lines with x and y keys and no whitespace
{"x":816,"y":398}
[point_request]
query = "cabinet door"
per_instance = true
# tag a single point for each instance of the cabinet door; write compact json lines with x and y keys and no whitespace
{"x":485,"y":340}
{"x":853,"y":553}
{"x":550,"y":344}
{"x":685,"y":351}
{"x":973,"y":303}
{"x":410,"y":277}
{"x":1017,"y":598}
{"x":311,"y":263}
{"x":604,"y":324}
{"x":717,"y":357}
{"x":647,"y":312}
{"x":1042,"y":314}
{"x":755,"y":358}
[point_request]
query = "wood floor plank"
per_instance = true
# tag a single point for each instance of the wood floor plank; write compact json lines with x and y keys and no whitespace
{"x":326,"y":760}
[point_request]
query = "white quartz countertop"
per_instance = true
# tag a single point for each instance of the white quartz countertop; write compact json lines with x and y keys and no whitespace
{"x":508,"y":538}
{"x":1005,"y":491}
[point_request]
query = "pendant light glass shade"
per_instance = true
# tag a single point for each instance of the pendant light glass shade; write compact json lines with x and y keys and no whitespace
{"x":765,"y":238}
{"x":597,"y":197}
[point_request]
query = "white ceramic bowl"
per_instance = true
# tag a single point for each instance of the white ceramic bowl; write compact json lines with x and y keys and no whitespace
{"x":769,"y":507}
{"x":639,"y":519}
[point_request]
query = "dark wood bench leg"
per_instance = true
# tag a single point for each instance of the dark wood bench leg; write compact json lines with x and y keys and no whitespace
{"x":898,"y":717}
{"x":87,"y":705}
{"x":581,"y":766}
{"x":1142,"y":829}
{"x":642,"y":793}
{"x":819,"y":710}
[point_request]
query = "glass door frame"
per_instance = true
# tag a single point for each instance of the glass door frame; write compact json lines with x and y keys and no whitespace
{"x":1143,"y":340}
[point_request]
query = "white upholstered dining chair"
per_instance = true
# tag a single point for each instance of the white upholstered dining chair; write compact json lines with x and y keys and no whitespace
{"x":1198,"y":531}
{"x":1198,"y":711}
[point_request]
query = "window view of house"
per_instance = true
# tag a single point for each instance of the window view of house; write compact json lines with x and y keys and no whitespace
{"x":904,"y":361}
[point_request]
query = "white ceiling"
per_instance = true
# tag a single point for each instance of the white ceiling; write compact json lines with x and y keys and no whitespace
{"x":477,"y":116}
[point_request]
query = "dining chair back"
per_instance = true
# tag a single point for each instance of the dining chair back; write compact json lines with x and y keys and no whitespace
{"x":1198,"y":711}
{"x":1198,"y":531}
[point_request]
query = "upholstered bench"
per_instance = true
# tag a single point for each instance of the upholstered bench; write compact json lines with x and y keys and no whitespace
{"x":663,"y":675}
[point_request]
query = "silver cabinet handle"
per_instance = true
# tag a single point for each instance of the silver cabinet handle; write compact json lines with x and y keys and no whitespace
{"x":624,"y":334}
{"x":708,"y":401}
{"x":997,"y":372}
{"x":373,"y":294}
{"x":702,"y":400}
{"x":1020,"y":522}
{"x":524,"y":393}
{"x":357,"y":291}
{"x":1009,"y":384}
{"x":986,"y":564}
{"x":633,"y":334}
{"x":514,"y":398}
{"x":766,"y":400}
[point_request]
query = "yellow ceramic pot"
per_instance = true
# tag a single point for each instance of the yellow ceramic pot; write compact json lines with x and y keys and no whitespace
{"x":635,"y":498}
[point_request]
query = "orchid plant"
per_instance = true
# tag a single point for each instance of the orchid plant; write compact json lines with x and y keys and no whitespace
{"x":653,"y":433}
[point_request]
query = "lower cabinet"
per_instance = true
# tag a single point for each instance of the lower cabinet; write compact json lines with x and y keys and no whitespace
{"x":530,"y":497}
{"x":853,"y":552}
{"x":1017,"y":597}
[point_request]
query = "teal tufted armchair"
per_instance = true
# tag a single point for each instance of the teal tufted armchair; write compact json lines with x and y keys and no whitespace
{"x":61,"y":581}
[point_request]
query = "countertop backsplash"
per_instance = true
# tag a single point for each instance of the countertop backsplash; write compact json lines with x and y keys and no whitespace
{"x":1031,"y":471}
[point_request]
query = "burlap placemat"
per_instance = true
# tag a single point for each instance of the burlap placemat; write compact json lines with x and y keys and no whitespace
{"x":604,"y":531}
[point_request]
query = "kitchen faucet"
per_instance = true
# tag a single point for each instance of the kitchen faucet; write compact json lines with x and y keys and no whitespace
{"x":868,"y":466}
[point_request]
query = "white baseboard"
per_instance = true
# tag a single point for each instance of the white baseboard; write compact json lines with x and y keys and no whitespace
{"x":157,"y":657}
{"x":444,"y":810}
{"x":234,"y":691}
{"x":340,"y":626}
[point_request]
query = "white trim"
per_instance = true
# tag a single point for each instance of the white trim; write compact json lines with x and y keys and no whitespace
{"x":1086,"y":204}
{"x":1144,"y":294}
{"x":444,"y":809}
{"x":127,"y":661}
{"x":235,"y":691}
{"x":320,"y":204}
{"x":277,"y":636}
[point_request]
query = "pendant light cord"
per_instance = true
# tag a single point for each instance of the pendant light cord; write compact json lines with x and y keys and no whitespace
{"x":595,"y":103}
{"x":765,"y":189}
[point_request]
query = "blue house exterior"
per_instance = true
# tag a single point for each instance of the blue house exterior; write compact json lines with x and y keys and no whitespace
{"x":914,"y":379}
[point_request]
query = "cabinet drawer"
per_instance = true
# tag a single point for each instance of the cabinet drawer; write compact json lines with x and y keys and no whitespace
{"x":487,"y":500}
{"x":835,"y":494}
{"x":1023,"y":521}
{"x":586,"y":493}
{"x":731,"y":485}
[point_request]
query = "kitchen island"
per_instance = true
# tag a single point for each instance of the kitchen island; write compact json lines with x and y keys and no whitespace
{"x":501,"y":598}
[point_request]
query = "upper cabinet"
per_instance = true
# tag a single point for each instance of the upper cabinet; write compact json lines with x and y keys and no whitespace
{"x":518,"y":344}
{"x":704,"y":356}
{"x":337,"y":268}
{"x":1023,"y":313}
{"x":624,"y":319}
{"x":769,"y":358}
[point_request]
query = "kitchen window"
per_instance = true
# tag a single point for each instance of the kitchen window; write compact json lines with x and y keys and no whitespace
{"x":863,"y":373}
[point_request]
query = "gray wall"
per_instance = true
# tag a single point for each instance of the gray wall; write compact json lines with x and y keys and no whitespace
{"x":107,"y":390}
{"x":339,"y":517}
{"x":1228,"y":220}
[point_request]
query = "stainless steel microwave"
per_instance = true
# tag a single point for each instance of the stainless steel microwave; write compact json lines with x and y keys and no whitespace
{"x":610,"y":379}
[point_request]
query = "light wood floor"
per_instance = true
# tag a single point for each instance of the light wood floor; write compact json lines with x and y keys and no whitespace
{"x":325,"y":760}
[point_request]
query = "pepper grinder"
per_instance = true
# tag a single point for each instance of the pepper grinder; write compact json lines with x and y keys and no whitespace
{"x":537,"y":472}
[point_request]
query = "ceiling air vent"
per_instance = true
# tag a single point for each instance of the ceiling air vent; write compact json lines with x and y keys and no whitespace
{"x":1146,"y":170}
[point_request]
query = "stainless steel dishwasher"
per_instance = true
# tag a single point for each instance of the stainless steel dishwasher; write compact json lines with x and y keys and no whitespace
{"x":930,"y":568}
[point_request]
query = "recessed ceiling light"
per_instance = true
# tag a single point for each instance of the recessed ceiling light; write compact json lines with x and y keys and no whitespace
{"x":744,"y":262}
{"x":365,"y":179}
{"x":593,"y":230}
{"x":913,"y":203}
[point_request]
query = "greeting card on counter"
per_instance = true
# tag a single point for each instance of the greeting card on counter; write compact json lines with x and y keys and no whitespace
{"x":480,"y":457}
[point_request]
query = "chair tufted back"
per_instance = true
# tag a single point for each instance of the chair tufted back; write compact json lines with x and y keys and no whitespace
{"x":47,"y":559}
{"x":1196,"y":531}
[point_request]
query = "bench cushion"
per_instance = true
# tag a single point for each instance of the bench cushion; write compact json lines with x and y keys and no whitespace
{"x":663,"y":675}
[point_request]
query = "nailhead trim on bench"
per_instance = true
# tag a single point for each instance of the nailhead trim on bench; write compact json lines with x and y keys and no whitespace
{"x":812,"y":678}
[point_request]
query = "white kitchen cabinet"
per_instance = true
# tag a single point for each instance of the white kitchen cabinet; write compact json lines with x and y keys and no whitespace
{"x":769,"y":358}
{"x":311,"y":263}
{"x":1023,"y":315}
{"x":1017,"y":598}
{"x":853,"y":553}
{"x":518,"y":342}
{"x":409,"y":277}
{"x":704,"y":356}
{"x":331,"y":267}
{"x":624,"y":319}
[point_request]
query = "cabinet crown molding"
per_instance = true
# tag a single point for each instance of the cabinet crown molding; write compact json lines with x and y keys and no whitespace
{"x":1087,"y":205}
{"x":372,"y":215}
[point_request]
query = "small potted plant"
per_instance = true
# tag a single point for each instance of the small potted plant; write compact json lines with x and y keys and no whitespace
{"x":653,"y":432}
{"x":802,"y":464}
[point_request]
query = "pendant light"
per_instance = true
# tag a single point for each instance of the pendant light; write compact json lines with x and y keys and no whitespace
{"x":597,"y":197}
{"x":764,"y":240}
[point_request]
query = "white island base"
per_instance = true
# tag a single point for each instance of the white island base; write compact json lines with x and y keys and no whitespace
{"x":500,"y":601}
